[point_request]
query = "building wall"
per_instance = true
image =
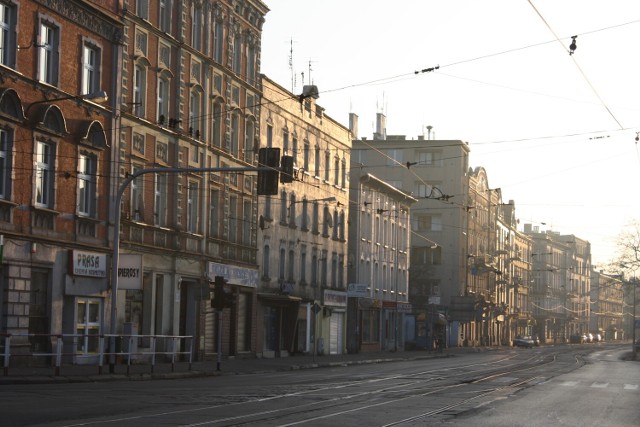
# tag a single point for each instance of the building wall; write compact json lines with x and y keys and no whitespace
{"x":42,"y":237}
{"x":303,"y":261}
{"x":190,"y":99}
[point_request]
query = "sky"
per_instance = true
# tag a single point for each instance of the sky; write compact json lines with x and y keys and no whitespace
{"x":555,"y":131}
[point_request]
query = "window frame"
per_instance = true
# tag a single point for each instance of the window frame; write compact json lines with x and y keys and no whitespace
{"x":87,"y":193}
{"x":48,"y":51}
{"x":44,"y":174}
{"x":6,"y":162}
{"x":91,"y":72}
{"x":8,"y":33}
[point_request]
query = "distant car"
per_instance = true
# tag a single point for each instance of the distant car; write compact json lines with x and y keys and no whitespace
{"x":577,"y":339}
{"x":597,"y":338}
{"x":523,"y":341}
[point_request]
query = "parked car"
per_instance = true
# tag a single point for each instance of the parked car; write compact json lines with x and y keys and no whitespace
{"x":523,"y":341}
{"x":597,"y":338}
{"x":589,"y":337}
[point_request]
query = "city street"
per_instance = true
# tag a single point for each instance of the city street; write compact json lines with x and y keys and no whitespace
{"x":586,"y":385}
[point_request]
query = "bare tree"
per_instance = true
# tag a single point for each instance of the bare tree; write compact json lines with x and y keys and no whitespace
{"x":628,"y":254}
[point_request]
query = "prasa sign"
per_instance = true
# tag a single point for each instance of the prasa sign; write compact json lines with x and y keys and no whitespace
{"x":90,"y":264}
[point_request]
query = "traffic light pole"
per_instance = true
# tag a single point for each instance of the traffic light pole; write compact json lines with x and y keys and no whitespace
{"x":116,"y":237}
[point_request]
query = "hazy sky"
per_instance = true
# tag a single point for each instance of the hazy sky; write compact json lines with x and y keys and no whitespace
{"x":556,"y":132}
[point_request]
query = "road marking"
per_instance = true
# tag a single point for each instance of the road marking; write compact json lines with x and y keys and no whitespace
{"x":600,"y":385}
{"x":570,"y":383}
{"x":631,"y":386}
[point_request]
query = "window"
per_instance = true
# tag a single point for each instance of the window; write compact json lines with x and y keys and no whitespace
{"x":422,"y":189}
{"x":233,"y":219}
{"x":87,"y":194}
{"x":327,"y":165}
{"x":292,"y":210}
{"x":344,"y":173}
{"x":217,"y":124}
{"x":246,"y":223}
{"x":251,"y":64}
{"x":281,"y":265}
{"x":429,"y":222}
{"x":269,"y":136}
{"x":137,"y":192}
{"x":235,"y":134}
{"x":305,"y":211}
{"x":341,"y":271}
{"x":90,"y":68}
{"x":294,"y":150}
{"x":430,"y":158}
{"x":44,"y":174}
{"x":139,"y":87}
{"x":237,"y":54}
{"x":214,"y":212}
{"x":314,"y":266}
{"x":163,"y":100}
{"x":195,"y":114}
{"x":326,"y":221}
{"x":196,"y":28}
{"x":285,"y":142}
{"x":394,"y":158}
{"x":249,"y":138}
{"x":8,"y":19}
{"x":305,"y":162}
{"x":336,"y":171}
{"x":6,"y":143}
{"x":160,"y":190}
{"x":283,"y":207}
{"x":164,"y":19}
{"x":192,"y":208}
{"x":303,"y":264}
{"x":218,"y":41}
{"x":142,"y":9}
{"x":334,"y":269}
{"x":48,"y":58}
{"x":315,"y":219}
{"x":291,"y":265}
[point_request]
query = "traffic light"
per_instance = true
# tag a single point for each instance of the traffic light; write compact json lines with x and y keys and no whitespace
{"x":268,"y":180}
{"x":218,"y":293}
{"x":230,"y":299}
{"x":286,"y":169}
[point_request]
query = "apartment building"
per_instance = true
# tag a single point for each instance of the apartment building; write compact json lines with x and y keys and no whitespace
{"x":58,"y":75}
{"x":434,"y":172}
{"x":302,"y":299}
{"x":607,"y":306}
{"x":380,"y":315}
{"x":190,"y":98}
{"x":561,"y":274}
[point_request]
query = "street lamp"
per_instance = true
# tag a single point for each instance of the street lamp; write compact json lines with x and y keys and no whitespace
{"x":97,"y":97}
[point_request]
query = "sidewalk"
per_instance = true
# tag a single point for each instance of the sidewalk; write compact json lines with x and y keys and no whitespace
{"x":228,"y":366}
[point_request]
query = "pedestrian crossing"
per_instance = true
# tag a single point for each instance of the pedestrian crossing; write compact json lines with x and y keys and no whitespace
{"x":601,"y":385}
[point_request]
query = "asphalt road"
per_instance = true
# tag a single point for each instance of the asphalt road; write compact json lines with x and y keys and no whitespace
{"x":559,"y":386}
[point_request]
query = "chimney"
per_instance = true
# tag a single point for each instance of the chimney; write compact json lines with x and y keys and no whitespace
{"x":353,"y":125}
{"x":381,"y":127}
{"x":527,"y":228}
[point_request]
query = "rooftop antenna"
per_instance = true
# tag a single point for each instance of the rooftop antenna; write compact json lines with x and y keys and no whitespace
{"x":293,"y":74}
